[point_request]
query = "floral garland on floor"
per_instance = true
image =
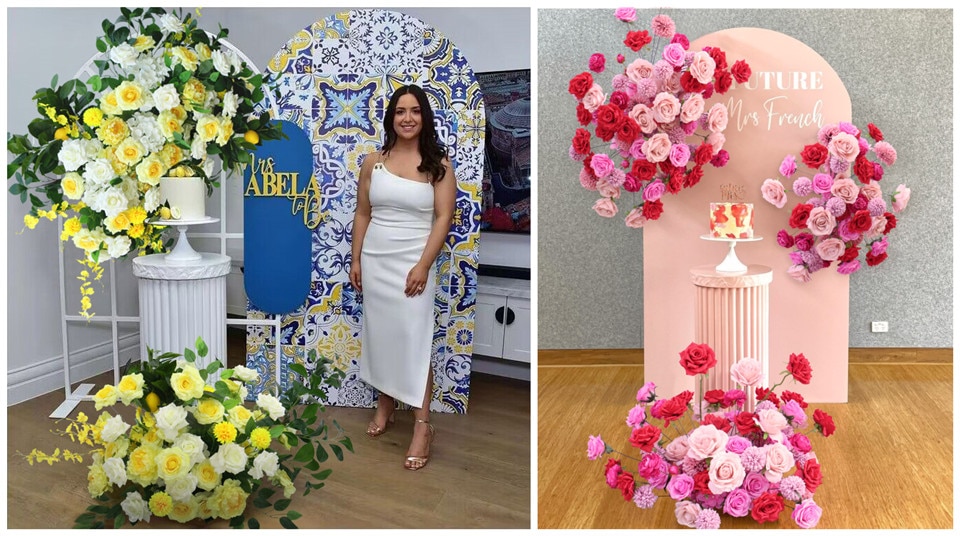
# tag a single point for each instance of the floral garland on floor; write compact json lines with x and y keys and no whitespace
{"x":195,"y":451}
{"x":654,"y":107}
{"x":732,"y":461}
{"x":166,"y":98}
{"x":838,"y":215}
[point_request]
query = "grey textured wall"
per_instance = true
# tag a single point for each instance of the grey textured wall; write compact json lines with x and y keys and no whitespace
{"x":897,"y":66}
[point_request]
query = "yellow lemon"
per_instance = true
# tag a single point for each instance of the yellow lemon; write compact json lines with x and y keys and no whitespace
{"x":153,"y":402}
{"x":165,"y":213}
{"x":63,"y":133}
{"x":251,"y":136}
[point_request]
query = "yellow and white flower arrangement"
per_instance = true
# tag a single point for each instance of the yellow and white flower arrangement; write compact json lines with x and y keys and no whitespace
{"x":166,"y":95}
{"x":195,"y":451}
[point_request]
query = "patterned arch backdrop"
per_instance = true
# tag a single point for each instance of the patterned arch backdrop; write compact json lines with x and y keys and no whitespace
{"x":335,"y":78}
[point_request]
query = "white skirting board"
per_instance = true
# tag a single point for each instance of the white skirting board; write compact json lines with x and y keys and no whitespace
{"x":45,"y":376}
{"x":500,"y":367}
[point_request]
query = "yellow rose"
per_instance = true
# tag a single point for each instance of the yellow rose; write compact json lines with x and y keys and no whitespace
{"x":113,"y":131}
{"x":70,"y":228}
{"x":186,"y":57}
{"x":131,"y":385}
{"x":205,"y":509}
{"x":109,"y":105}
{"x":130,"y":95}
{"x":207,"y":477}
{"x":143,"y":43}
{"x":169,"y":124}
{"x":187,"y":384}
{"x":130,"y":151}
{"x":110,"y":153}
{"x":179,"y":111}
{"x":203,"y":51}
{"x":226,"y":131}
{"x":208,"y":411}
{"x":208,"y":127}
{"x":183,"y":512}
{"x":118,"y":223}
{"x":105,"y":397}
{"x":194,"y":94}
{"x":137,"y":215}
{"x":171,"y":155}
{"x":238,"y":416}
{"x":152,"y":437}
{"x":150,"y":169}
{"x":88,"y":240}
{"x":260,"y":438}
{"x":225,"y":432}
{"x":117,"y":449}
{"x":92,"y":117}
{"x":229,"y":499}
{"x":161,"y":504}
{"x":172,"y":463}
{"x":142,"y":465}
{"x":97,"y":481}
{"x":72,"y":185}
{"x":30,"y":221}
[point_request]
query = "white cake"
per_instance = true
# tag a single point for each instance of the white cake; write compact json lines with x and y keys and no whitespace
{"x":731,"y":220}
{"x":189,"y":194}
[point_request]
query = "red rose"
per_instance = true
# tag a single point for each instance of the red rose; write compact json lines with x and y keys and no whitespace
{"x":891,"y":222}
{"x":861,"y":221}
{"x":863,"y":168}
{"x":628,"y":131}
{"x":798,"y":218}
{"x":799,"y":368}
{"x":644,"y":169}
{"x":767,"y":507}
{"x":581,"y":141}
{"x":609,"y":116}
{"x":697,"y":359}
{"x":875,"y":132}
{"x":717,"y":421}
{"x":741,"y":71}
{"x":580,"y":84}
{"x":814,"y":155}
{"x":631,"y":183}
{"x":851,"y":253}
{"x":811,"y":475}
{"x":645,"y":437}
{"x":787,"y":396}
{"x":626,"y":485}
{"x":605,"y":133}
{"x":675,"y":184}
{"x":653,"y":209}
{"x":619,"y":99}
{"x":714,"y":396}
{"x":873,"y":260}
{"x":701,"y":482}
{"x":803,"y":241}
{"x":824,"y":422}
{"x":691,"y":84}
{"x":719,"y":57}
{"x":637,"y":40}
{"x":766,"y":394}
{"x":684,"y":397}
{"x":745,"y":423}
{"x":671,"y":410}
{"x":667,"y":166}
{"x":583,"y":115}
{"x":703,"y":154}
{"x":693,"y":177}
{"x":723,"y":81}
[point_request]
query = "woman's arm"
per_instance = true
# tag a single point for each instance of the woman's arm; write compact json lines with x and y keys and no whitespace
{"x":444,"y":202}
{"x":361,"y":218}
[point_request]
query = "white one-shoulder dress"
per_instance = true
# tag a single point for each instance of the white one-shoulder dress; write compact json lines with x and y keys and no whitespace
{"x":397,"y":332}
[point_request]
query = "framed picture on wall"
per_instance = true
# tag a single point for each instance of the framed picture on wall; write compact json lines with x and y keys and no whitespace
{"x":506,"y":169}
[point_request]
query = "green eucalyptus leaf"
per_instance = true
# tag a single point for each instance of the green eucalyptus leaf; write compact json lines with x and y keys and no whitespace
{"x":287,"y":524}
{"x":189,"y":356}
{"x":201,"y":347}
{"x":337,"y":451}
{"x":253,"y":523}
{"x":305,"y":453}
{"x":275,"y":431}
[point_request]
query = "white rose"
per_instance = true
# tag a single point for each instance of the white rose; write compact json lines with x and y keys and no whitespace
{"x":136,"y":508}
{"x":124,"y":55}
{"x":235,"y":61}
{"x":208,"y":167}
{"x":229,"y":104}
{"x":72,"y":155}
{"x":171,"y":23}
{"x":244,"y":374}
{"x":113,"y":428}
{"x":193,"y":446}
{"x":271,"y":405}
{"x":91,"y":148}
{"x":198,"y":149}
{"x":151,"y":199}
{"x":166,"y":97}
{"x":112,"y":201}
{"x":170,"y":419}
{"x":182,"y":488}
{"x":116,"y":471}
{"x":221,"y":62}
{"x":230,"y":458}
{"x":99,"y":172}
{"x":131,"y":189}
{"x":266,"y":463}
{"x":91,"y":196}
{"x":118,"y":246}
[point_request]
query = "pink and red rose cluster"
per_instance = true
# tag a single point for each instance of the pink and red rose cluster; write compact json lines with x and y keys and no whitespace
{"x":634,"y":140}
{"x":734,"y":462}
{"x":839,"y":218}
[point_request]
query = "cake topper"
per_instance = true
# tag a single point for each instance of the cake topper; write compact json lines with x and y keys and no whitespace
{"x":732,"y":192}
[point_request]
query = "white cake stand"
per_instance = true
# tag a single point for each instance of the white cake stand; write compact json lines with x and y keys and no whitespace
{"x":182,"y":252}
{"x":731,"y":264}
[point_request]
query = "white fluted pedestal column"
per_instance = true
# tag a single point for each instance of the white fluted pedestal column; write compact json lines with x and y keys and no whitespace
{"x":733,"y":317}
{"x":180,"y":302}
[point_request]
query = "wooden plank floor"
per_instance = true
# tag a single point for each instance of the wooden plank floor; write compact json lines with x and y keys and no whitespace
{"x":478,"y":475}
{"x":888,"y":466}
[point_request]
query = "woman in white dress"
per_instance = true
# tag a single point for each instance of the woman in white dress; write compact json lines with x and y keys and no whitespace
{"x":405,"y":202}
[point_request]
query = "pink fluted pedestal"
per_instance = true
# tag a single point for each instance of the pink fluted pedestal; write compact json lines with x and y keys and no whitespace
{"x":733,"y":317}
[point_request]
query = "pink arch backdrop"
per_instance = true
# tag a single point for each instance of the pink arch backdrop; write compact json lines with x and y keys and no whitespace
{"x":792,"y":93}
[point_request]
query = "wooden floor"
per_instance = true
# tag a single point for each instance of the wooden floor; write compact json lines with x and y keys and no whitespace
{"x":889,"y":465}
{"x":478,"y":475}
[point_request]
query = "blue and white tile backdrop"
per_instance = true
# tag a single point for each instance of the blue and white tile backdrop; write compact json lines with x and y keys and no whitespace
{"x":335,"y":78}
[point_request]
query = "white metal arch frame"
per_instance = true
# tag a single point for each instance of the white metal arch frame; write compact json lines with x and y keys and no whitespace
{"x":82,"y":393}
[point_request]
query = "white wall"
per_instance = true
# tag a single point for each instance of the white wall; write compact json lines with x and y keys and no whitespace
{"x":34,"y":340}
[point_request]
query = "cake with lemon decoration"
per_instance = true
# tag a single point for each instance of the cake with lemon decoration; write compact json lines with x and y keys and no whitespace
{"x":184,"y":194}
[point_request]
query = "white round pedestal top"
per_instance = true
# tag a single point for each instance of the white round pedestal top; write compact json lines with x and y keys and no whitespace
{"x":155,"y":266}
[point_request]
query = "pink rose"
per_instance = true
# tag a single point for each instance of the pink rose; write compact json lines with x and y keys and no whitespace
{"x":674,"y":54}
{"x":597,"y":62}
{"x":800,"y":442}
{"x":644,"y":117}
{"x":788,"y":166}
{"x":747,"y":372}
{"x":799,"y":272}
{"x":607,"y":189}
{"x":726,"y":473}
{"x":605,"y":207}
{"x":680,"y":487}
{"x":706,"y":441}
{"x":779,"y":461}
{"x":626,"y":14}
{"x":822,"y":183}
{"x":680,"y":155}
{"x":871,"y":190}
{"x":647,"y":393}
{"x":594,"y":98}
{"x":831,"y":249}
{"x":654,"y":191}
{"x":595,"y":447}
{"x":772,"y":422}
{"x":692,"y":108}
{"x":657,"y":148}
{"x":686,"y":513}
{"x":845,"y":189}
{"x":636,"y":416}
{"x":755,"y":485}
{"x":772,"y":192}
{"x":639,"y":69}
{"x":716,"y":141}
{"x":717,"y":118}
{"x":672,"y":83}
{"x":666,"y":107}
{"x":844,"y":146}
{"x":677,"y":449}
{"x":821,"y":221}
{"x":806,"y":514}
{"x":878,"y":227}
{"x":900,"y":198}
{"x":635,"y":218}
{"x":702,"y":67}
{"x":737,"y":503}
{"x":602,"y":165}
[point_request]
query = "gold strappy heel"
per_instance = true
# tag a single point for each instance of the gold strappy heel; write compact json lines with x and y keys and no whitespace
{"x":415,"y":463}
{"x":374,"y":430}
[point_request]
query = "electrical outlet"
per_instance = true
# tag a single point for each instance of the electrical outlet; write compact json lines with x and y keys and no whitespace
{"x":878,"y":327}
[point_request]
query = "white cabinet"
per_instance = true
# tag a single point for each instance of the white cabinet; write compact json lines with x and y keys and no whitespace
{"x":502,"y":319}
